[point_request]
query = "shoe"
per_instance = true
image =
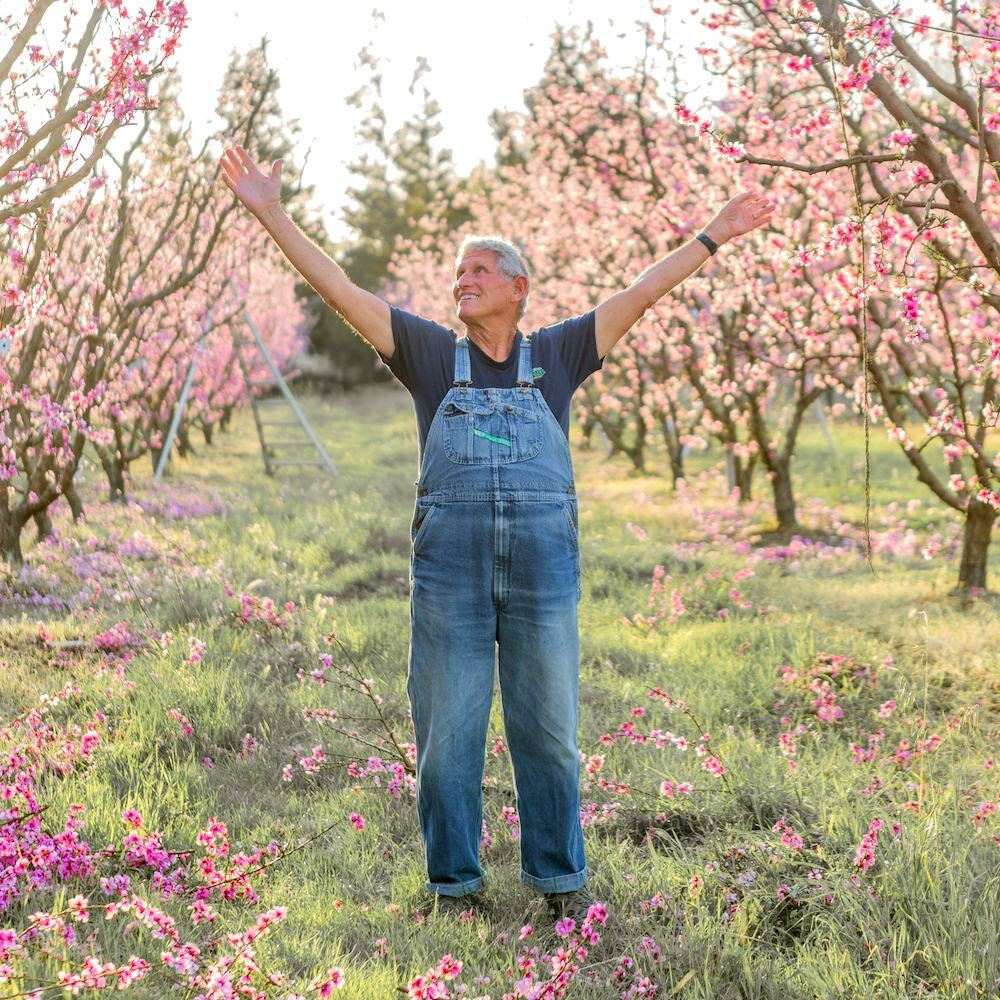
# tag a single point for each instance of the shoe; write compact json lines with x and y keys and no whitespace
{"x":456,"y":905}
{"x":573,"y":904}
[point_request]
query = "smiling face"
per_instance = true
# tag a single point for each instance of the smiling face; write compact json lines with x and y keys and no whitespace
{"x":481,"y":291}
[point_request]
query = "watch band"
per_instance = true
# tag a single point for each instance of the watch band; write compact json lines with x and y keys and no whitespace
{"x":708,"y":241}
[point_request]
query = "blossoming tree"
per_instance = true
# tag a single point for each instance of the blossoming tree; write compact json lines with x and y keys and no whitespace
{"x":61,"y":109}
{"x":108,"y":291}
{"x":914,"y":102}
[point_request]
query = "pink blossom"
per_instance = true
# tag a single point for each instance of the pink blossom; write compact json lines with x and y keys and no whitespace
{"x":902,"y":137}
{"x":565,"y":927}
{"x":334,"y":981}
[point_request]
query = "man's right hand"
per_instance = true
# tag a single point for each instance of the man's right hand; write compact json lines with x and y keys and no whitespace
{"x":257,"y":191}
{"x":261,"y":194}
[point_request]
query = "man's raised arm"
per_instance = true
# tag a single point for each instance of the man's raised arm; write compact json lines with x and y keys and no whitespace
{"x":617,"y":315}
{"x":260,"y":193}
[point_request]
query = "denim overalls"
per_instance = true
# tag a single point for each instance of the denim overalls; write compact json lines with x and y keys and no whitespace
{"x":495,"y":562}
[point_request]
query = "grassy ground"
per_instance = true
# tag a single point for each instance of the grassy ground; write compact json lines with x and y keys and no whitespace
{"x":832,"y":698}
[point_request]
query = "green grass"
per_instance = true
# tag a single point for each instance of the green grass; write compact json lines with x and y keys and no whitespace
{"x":338,"y":548}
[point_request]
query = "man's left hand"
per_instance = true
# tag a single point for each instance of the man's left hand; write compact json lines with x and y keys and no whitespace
{"x":747,"y":211}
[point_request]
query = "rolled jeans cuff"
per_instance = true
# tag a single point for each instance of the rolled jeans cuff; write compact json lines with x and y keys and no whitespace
{"x":558,"y":883}
{"x":455,"y":888}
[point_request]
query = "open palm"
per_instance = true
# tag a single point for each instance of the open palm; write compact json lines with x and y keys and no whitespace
{"x":256,"y":190}
{"x":748,"y":210}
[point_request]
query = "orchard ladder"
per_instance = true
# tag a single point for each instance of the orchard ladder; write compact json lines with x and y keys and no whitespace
{"x":263,"y":418}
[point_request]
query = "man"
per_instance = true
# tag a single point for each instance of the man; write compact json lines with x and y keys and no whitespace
{"x":495,"y":561}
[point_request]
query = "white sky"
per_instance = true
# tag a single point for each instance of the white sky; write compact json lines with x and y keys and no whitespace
{"x":482,"y":56}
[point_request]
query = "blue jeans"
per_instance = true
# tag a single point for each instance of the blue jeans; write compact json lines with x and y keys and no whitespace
{"x":527,"y":604}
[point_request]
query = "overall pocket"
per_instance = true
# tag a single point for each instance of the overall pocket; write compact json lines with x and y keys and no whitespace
{"x":573,"y":522}
{"x":423,"y":514}
{"x":572,"y":516}
{"x":490,"y":433}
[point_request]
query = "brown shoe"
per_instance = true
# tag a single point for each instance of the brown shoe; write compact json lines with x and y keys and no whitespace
{"x":573,"y":904}
{"x":456,"y":905}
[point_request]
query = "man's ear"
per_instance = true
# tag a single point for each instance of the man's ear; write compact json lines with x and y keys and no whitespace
{"x":520,"y":284}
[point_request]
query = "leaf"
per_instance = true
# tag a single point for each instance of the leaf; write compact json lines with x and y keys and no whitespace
{"x":688,"y":976}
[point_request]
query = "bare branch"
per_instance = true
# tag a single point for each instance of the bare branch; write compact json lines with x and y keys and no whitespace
{"x":822,"y":168}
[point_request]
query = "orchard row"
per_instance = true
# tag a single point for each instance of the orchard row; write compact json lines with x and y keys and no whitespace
{"x":122,"y":260}
{"x":871,"y":295}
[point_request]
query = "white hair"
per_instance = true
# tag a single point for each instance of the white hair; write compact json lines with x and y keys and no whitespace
{"x":510,"y":263}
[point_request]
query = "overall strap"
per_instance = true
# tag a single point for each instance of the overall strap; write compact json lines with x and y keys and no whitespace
{"x":463,"y":365}
{"x":524,"y":373}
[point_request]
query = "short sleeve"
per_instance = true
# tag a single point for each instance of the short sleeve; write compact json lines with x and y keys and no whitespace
{"x":420,"y":348}
{"x":576,"y":341}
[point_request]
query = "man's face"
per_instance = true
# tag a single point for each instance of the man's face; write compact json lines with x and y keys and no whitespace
{"x":480,"y":289}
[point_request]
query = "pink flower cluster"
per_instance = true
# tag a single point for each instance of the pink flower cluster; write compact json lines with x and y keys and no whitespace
{"x":33,"y":856}
{"x":510,"y":817}
{"x":706,"y":594}
{"x":318,"y":674}
{"x":260,"y":614}
{"x":324,"y":985}
{"x":864,"y":857}
{"x":722,"y":147}
{"x":310,"y":763}
{"x":549,"y":977}
{"x":183,"y":723}
{"x":983,"y":811}
{"x":857,"y":77}
{"x":789,"y":837}
{"x":400,"y":780}
{"x":909,"y":313}
{"x":671,"y":788}
{"x":431,"y":985}
{"x":93,"y":975}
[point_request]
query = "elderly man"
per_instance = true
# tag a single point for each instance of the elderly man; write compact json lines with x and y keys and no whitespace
{"x":495,"y":563}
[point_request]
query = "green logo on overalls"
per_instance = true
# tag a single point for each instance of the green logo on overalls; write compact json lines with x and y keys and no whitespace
{"x":537,"y":372}
{"x":493,"y":438}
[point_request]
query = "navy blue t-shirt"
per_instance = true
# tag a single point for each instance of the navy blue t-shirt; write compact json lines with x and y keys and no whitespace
{"x":562,"y":356}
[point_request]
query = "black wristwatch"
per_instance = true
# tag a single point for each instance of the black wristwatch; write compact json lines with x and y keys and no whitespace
{"x":708,"y":241}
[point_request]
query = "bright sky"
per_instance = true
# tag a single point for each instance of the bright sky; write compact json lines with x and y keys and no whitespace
{"x":482,"y":56}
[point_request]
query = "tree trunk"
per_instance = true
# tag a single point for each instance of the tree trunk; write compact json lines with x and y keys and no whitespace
{"x":638,"y":450}
{"x":616,"y":439}
{"x":676,"y":456}
{"x":43,"y":523}
{"x":114,"y":471}
{"x":979,"y":520}
{"x":743,"y":478}
{"x":675,"y":450}
{"x":10,"y":537}
{"x":207,"y":430}
{"x":183,"y":441}
{"x":784,"y":498}
{"x":74,"y":501}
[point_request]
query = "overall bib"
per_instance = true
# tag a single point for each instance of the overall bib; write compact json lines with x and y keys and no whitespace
{"x":495,"y":562}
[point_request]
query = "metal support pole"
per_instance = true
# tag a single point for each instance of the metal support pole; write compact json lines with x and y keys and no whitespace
{"x":178,"y":411}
